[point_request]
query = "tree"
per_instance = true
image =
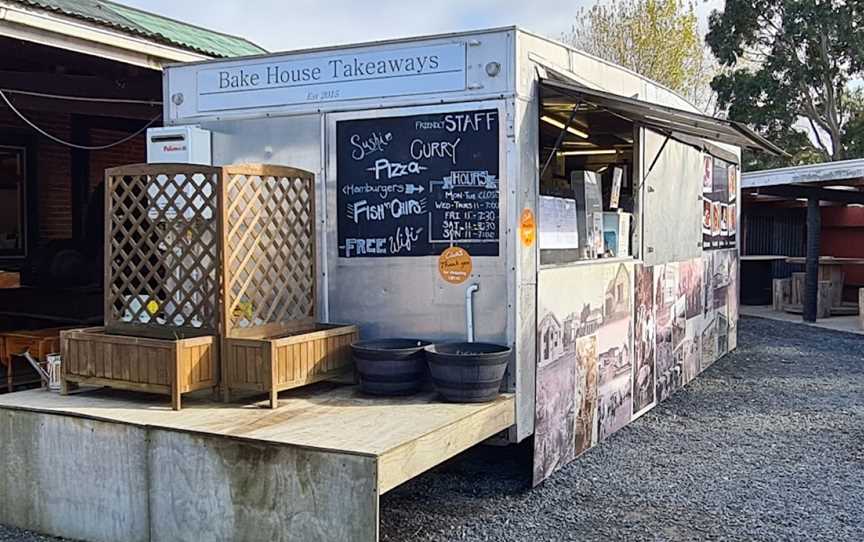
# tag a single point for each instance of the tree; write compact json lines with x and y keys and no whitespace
{"x":788,"y":60}
{"x":853,"y":131}
{"x":659,"y":39}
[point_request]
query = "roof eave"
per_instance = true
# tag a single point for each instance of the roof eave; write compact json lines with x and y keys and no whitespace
{"x":92,"y":39}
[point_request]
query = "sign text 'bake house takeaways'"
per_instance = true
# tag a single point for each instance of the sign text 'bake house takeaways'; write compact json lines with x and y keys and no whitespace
{"x":285,"y":81}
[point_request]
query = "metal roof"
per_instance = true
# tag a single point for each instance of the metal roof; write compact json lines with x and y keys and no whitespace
{"x":843,"y":170}
{"x":148,"y":25}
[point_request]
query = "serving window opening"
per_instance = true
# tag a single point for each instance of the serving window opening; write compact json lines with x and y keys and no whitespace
{"x":587,"y":202}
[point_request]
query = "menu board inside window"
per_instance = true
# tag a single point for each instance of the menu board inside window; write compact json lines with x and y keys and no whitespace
{"x":415,"y":185}
{"x":719,"y":203}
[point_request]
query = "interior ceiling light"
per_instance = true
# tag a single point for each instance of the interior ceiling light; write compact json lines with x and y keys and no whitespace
{"x":587,"y":152}
{"x":558,"y":124}
{"x":842,"y":187}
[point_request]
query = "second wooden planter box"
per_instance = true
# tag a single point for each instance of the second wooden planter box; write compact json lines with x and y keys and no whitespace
{"x":276,"y":360}
{"x":165,"y":366}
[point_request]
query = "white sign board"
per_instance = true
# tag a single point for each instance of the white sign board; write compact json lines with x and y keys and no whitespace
{"x":557,"y":225}
{"x":345,"y":76}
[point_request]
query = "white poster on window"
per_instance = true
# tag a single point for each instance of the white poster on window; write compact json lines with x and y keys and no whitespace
{"x":557,"y":226}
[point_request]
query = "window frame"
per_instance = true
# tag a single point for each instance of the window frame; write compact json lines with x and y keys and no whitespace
{"x":13,"y":137}
{"x":23,"y":203}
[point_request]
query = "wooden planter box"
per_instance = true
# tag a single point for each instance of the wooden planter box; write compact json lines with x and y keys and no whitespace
{"x":165,"y":366}
{"x":278,"y":359}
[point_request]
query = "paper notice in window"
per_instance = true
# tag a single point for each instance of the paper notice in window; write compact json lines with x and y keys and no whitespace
{"x":615,"y":196}
{"x":557,"y":225}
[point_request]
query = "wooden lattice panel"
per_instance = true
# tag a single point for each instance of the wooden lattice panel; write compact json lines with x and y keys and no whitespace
{"x":162,"y":250}
{"x":269,"y":245}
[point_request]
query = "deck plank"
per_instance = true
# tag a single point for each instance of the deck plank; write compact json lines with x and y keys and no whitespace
{"x":319,"y":416}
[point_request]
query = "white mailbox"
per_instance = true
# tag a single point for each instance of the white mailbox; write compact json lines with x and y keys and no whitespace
{"x":178,"y":145}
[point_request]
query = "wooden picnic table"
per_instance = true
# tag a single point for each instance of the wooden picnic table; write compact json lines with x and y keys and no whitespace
{"x":830,"y":271}
{"x":826,"y":260}
{"x":761,"y":258}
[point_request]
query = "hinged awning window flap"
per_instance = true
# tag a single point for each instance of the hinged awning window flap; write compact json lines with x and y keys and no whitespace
{"x":664,"y":119}
{"x":706,"y":147}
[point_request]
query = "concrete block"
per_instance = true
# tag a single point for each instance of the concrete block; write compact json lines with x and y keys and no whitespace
{"x":221,"y":489}
{"x":73,"y":477}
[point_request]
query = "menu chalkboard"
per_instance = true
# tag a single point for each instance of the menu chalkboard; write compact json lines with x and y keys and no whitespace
{"x":415,"y":185}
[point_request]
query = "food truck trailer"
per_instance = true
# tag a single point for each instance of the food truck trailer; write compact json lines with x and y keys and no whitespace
{"x":491,"y":185}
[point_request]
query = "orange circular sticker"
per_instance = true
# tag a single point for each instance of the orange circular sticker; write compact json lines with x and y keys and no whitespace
{"x":454,"y":265}
{"x":527,"y":227}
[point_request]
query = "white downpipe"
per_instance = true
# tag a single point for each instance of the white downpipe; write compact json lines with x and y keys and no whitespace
{"x":469,"y":310}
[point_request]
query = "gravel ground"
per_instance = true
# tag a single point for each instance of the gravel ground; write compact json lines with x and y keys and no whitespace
{"x":767,"y":444}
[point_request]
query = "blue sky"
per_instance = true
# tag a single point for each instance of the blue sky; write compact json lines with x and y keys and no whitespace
{"x":294,"y":24}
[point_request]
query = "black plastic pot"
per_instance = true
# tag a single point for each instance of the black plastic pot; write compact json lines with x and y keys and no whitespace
{"x":467,"y":372}
{"x":390,"y":366}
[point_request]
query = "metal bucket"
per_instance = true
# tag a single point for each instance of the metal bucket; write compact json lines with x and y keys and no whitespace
{"x":390,"y":366}
{"x":468,"y":372}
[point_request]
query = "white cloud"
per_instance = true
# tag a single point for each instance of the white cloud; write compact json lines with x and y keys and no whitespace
{"x":295,"y":24}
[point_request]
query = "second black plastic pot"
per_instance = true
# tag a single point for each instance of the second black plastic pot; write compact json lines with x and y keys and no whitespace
{"x":467,"y":372}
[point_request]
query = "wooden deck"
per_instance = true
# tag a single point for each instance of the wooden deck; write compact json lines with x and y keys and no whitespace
{"x":316,"y":464}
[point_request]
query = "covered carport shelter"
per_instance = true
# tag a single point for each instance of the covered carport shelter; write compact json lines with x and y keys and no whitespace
{"x":822,"y":204}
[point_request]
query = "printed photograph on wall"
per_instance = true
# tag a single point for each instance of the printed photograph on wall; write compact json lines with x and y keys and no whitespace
{"x":615,"y":407}
{"x":644,"y":339}
{"x":732,"y":290}
{"x":670,"y":284}
{"x":691,"y":351}
{"x":690,"y":286}
{"x":715,"y":223}
{"x":679,"y":321}
{"x":732,"y":176}
{"x":732,"y":300}
{"x":665,"y":295}
{"x":718,"y":226}
{"x":586,"y":329}
{"x":733,"y":223}
{"x":614,"y":404}
{"x":722,"y":333}
{"x":555,"y":417}
{"x":707,"y":283}
{"x":709,"y":341}
{"x":707,"y":173}
{"x":586,"y":393}
{"x":669,"y":369}
{"x":721,"y":266}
